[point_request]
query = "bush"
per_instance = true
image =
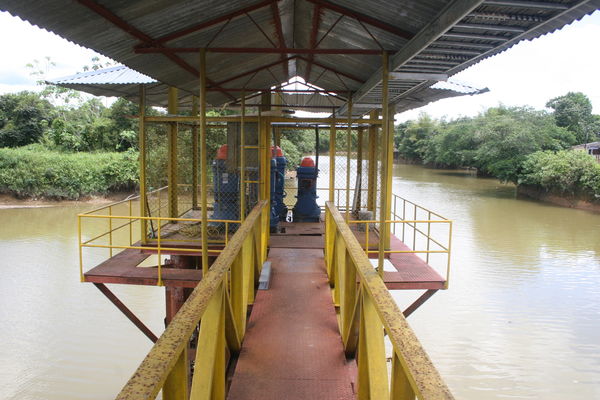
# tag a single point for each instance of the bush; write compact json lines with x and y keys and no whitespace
{"x":33,"y":171}
{"x":563,"y":172}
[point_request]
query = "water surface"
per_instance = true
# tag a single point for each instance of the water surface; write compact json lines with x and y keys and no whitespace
{"x":521,"y":319}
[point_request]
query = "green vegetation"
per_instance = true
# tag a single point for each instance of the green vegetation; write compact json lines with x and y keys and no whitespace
{"x":571,"y":173}
{"x":82,"y":147}
{"x":33,"y":171}
{"x":513,"y":144}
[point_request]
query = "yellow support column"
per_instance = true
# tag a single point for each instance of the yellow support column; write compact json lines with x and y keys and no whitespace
{"x":389,"y":159}
{"x":265,"y":170}
{"x":348,"y":149}
{"x":172,"y":140}
{"x":203,"y":162}
{"x":383,"y":211}
{"x":359,"y":165}
{"x":277,"y":137}
{"x":177,"y":383}
{"x":243,"y":160}
{"x":142,"y":147}
{"x":332,"y":135}
{"x":372,"y":185}
{"x":195,"y":149}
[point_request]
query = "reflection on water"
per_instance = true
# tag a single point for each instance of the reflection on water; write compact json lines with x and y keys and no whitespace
{"x":522,"y":316}
{"x":521,"y":319}
{"x":62,"y":339}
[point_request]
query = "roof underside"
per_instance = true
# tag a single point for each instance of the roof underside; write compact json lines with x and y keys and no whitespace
{"x":336,"y":45}
{"x":120,"y":81}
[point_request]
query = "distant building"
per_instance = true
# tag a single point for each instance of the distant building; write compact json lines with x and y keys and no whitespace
{"x":592,"y":149}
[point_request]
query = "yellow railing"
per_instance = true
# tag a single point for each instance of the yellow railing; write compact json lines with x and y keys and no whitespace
{"x":219,"y":304}
{"x":117,"y":229}
{"x":366,"y":310}
{"x":425,"y":232}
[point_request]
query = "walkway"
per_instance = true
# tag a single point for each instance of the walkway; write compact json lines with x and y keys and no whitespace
{"x":292,"y":348}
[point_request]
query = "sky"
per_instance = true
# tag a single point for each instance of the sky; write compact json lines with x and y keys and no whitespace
{"x":530,"y":73}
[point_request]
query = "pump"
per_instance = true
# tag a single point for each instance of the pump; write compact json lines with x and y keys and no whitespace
{"x":279,"y":194}
{"x":226,"y":188}
{"x":306,"y":208}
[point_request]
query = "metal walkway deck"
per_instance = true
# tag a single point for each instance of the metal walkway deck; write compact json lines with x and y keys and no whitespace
{"x":293,"y":349}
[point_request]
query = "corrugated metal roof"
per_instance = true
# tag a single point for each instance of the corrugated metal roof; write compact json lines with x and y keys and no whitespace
{"x":120,"y":81}
{"x":426,"y":35}
{"x":118,"y":75}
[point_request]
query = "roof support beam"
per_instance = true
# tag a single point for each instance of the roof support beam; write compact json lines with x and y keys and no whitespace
{"x":454,"y":11}
{"x":528,"y":4}
{"x":260,"y":50}
{"x":474,"y":36}
{"x":125,"y":26}
{"x":485,"y":27}
{"x":206,"y":24}
{"x":279,"y":34}
{"x":316,"y":21}
{"x":363,"y":18}
{"x":344,"y":74}
{"x":416,"y":76}
{"x":252,"y":71}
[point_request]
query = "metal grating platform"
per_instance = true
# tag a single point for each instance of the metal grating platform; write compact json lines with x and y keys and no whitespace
{"x":292,"y":349}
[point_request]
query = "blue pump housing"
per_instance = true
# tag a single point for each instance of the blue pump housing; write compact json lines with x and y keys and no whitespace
{"x":306,"y":208}
{"x":274,"y":215}
{"x":279,"y":195}
{"x":226,"y":188}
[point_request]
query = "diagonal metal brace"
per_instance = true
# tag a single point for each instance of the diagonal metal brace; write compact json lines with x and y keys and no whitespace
{"x":128,"y":313}
{"x":419,"y":302}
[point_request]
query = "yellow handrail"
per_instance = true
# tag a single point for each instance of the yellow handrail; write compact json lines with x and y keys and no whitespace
{"x":364,"y":309}
{"x":220,"y":302}
{"x":130,"y":219}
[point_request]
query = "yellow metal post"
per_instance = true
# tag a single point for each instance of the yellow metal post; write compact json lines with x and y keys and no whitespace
{"x":359,"y":165}
{"x":203,"y":162}
{"x":195,"y":155}
{"x":389,"y":159}
{"x":177,"y":383}
{"x":332,"y":134}
{"x":383,"y":215}
{"x":172,"y":173}
{"x":372,"y":185}
{"x":265,"y":170}
{"x":277,"y":137}
{"x":243,"y":160}
{"x":142,"y":146}
{"x":348,"y":149}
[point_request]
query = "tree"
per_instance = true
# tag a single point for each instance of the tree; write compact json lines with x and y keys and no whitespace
{"x":509,"y":134}
{"x":24,"y":117}
{"x":574,"y":112}
{"x":412,"y":138}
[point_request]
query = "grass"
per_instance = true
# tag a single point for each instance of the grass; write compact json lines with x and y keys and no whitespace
{"x":35,"y":172}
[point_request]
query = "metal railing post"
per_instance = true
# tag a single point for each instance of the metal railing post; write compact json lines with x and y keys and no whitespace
{"x":203,"y":161}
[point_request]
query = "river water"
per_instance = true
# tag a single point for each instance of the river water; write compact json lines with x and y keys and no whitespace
{"x":521,"y":319}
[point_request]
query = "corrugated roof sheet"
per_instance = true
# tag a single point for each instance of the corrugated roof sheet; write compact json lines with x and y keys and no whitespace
{"x":118,"y":75}
{"x":431,"y":35}
{"x":120,"y":81}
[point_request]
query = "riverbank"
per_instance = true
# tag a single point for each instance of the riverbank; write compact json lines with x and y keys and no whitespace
{"x":33,"y":172}
{"x":562,"y":200}
{"x":9,"y":201}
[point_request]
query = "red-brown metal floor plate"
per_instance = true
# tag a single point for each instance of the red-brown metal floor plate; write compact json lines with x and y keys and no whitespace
{"x":297,"y":242}
{"x":293,"y":349}
{"x":413,"y":272}
{"x":123,"y":268}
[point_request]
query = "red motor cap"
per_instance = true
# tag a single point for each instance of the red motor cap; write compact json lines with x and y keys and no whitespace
{"x":276,"y":151}
{"x":222,"y":152}
{"x":307,"y":162}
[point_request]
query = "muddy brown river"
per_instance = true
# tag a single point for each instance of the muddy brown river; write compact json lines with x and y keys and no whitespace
{"x":521,"y":319}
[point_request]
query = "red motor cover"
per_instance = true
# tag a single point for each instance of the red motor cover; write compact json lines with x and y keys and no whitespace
{"x":222,"y":152}
{"x":307,"y":162}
